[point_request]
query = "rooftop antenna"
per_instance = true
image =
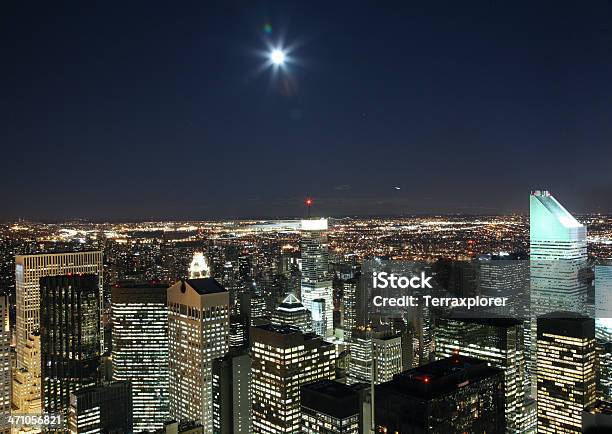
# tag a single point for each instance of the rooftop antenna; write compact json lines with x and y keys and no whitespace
{"x":309,"y":202}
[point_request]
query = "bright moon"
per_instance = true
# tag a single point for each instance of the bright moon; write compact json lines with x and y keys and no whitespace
{"x":277,"y":57}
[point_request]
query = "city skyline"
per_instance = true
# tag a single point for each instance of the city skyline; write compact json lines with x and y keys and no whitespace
{"x":445,"y":107}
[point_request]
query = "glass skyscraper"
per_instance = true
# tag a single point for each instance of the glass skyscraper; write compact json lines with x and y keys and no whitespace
{"x":70,"y":338}
{"x":316,"y":282}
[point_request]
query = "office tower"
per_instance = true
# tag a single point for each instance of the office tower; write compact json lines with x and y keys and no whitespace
{"x":69,"y":338}
{"x":231,"y":392}
{"x":374,"y":352}
{"x":558,"y":254}
{"x":329,"y":407}
{"x":284,"y":359}
{"x":238,"y":334}
{"x":319,"y":316}
{"x":140,"y":349}
{"x":27,"y":379}
{"x":198,"y":332}
{"x":5,"y":363}
{"x":352,"y":305}
{"x":458,"y":394}
{"x":604,"y":369}
{"x":597,"y":418}
{"x":566,"y":370}
{"x":29,"y":269}
{"x":316,"y":282}
{"x":292,"y":312}
{"x":198,"y":269}
{"x":603,"y":300}
{"x":101,"y":409}
{"x":498,"y":341}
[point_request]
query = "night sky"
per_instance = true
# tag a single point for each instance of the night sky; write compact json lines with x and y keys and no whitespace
{"x":152,"y":110}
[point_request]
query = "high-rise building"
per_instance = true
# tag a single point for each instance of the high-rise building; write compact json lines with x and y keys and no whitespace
{"x":198,"y":332}
{"x":498,"y":341}
{"x":231,"y":393}
{"x":140,"y":350}
{"x":69,"y":337}
{"x":29,"y":269}
{"x":566,"y":371}
{"x":316,"y":282}
{"x":27,"y":379}
{"x":457,"y":394}
{"x":353,"y":306}
{"x":284,"y":359}
{"x":374,"y":352}
{"x":330,"y":407}
{"x":292,"y":312}
{"x":239,"y":332}
{"x":603,"y":300}
{"x":319,"y":316}
{"x":604,"y":369}
{"x":101,"y":409}
{"x":558,"y":255}
{"x":5,"y":363}
{"x":198,"y":269}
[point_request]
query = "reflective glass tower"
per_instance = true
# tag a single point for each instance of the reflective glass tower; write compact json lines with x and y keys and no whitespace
{"x":69,"y":338}
{"x":316,"y":282}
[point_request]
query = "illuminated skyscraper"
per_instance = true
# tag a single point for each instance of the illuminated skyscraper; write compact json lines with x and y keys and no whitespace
{"x":29,"y":269}
{"x":27,"y":379}
{"x":101,"y":409}
{"x":316,"y":282}
{"x":231,"y":388}
{"x":603,"y":300}
{"x":199,"y":269}
{"x":198,"y":332}
{"x":69,"y":338}
{"x":319,"y":316}
{"x":140,"y":350}
{"x":558,"y":254}
{"x":454,"y":395}
{"x":566,"y":371}
{"x":292,"y":312}
{"x":353,"y":307}
{"x":284,"y":359}
{"x":5,"y":363}
{"x":378,"y":352}
{"x":498,"y":341}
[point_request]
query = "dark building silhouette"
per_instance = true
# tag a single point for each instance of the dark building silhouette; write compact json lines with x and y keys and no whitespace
{"x":330,"y":407}
{"x":231,"y":393}
{"x":102,"y":409}
{"x":454,"y":395}
{"x":69,"y":336}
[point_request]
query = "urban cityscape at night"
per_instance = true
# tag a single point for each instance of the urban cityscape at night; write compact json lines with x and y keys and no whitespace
{"x":306,"y":217}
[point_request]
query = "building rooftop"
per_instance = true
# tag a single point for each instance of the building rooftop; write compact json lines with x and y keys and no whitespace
{"x":330,"y":397}
{"x":601,"y":407}
{"x":207,"y":285}
{"x":441,"y":377}
{"x":494,"y":321}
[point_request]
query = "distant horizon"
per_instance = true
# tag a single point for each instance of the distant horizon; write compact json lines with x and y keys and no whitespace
{"x":79,"y":220}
